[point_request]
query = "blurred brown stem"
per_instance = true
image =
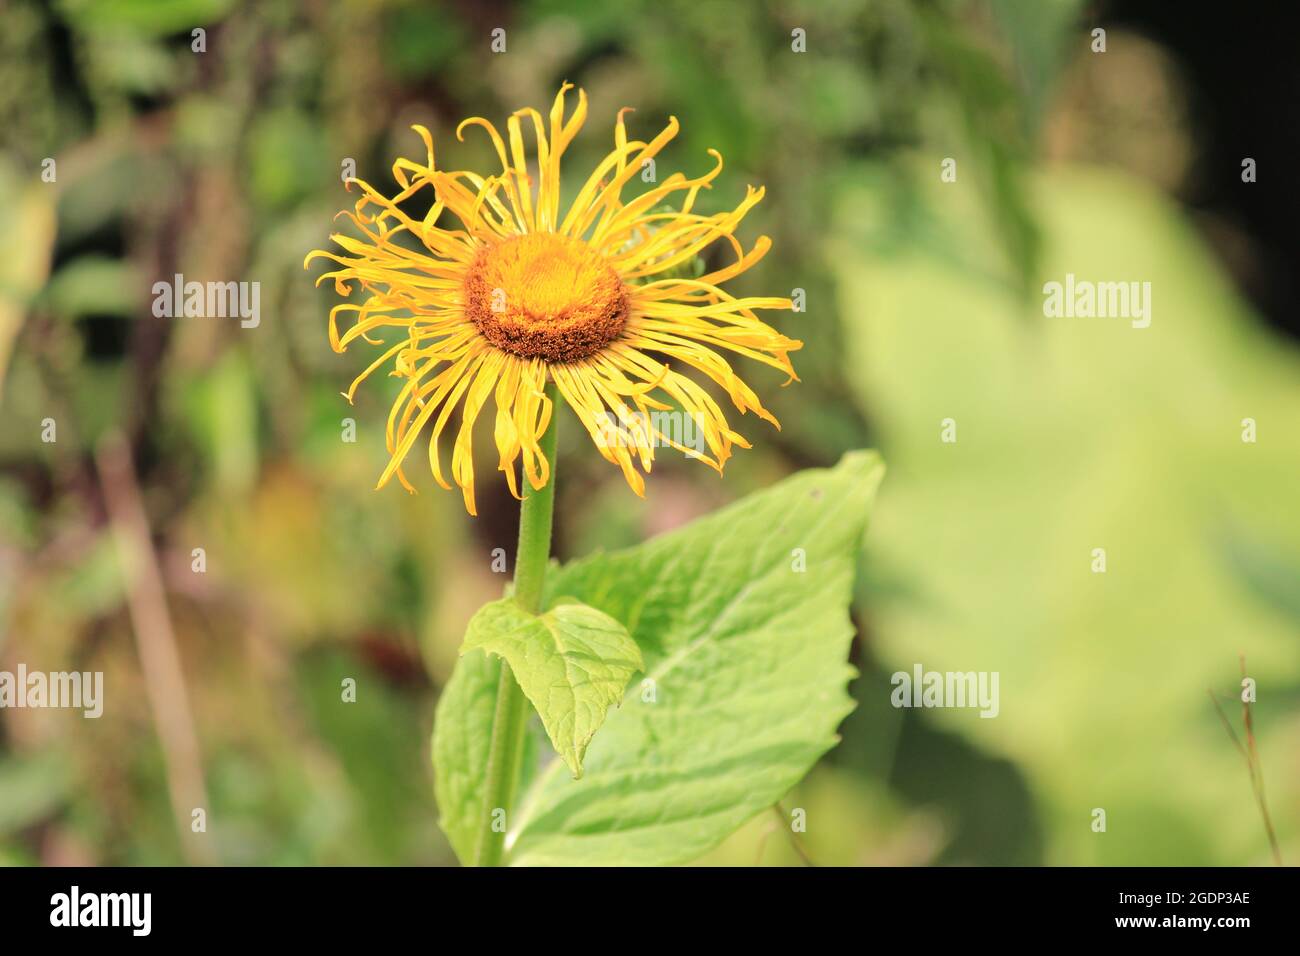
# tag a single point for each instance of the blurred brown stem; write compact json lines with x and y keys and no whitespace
{"x":799,"y":850}
{"x":1251,"y":755}
{"x":155,"y":640}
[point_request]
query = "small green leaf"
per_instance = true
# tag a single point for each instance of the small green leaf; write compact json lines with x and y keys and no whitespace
{"x":572,"y":662}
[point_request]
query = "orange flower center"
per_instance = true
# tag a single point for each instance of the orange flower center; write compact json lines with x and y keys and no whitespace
{"x":540,"y":295}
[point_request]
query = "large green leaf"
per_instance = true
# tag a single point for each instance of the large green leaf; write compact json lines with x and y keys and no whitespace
{"x":1075,"y":434}
{"x":746,"y":668}
{"x":572,"y":662}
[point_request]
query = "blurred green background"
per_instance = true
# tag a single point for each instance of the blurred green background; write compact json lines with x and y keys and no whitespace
{"x":924,"y":303}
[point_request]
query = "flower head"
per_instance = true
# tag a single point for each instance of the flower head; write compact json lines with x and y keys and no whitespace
{"x":519,"y":292}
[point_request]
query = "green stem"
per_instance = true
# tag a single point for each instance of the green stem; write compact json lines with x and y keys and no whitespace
{"x":535,"y":526}
{"x":510,"y":722}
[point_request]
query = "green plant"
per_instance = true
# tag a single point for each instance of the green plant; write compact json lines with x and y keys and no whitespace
{"x":738,"y":623}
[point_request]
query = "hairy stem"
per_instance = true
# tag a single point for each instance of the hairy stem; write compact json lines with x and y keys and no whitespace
{"x":511,"y":718}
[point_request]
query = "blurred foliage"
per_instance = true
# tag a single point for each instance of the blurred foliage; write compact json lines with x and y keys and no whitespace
{"x":226,"y":165}
{"x":1074,"y":434}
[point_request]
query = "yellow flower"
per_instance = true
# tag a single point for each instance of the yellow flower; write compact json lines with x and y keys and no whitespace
{"x":517,"y":294}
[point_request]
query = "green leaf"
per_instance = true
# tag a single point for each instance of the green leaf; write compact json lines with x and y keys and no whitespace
{"x":93,"y":285}
{"x":31,"y":789}
{"x":462,"y":736}
{"x":1076,"y":434}
{"x":746,"y":669}
{"x":145,"y":17}
{"x":572,"y":663}
{"x":27,"y":231}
